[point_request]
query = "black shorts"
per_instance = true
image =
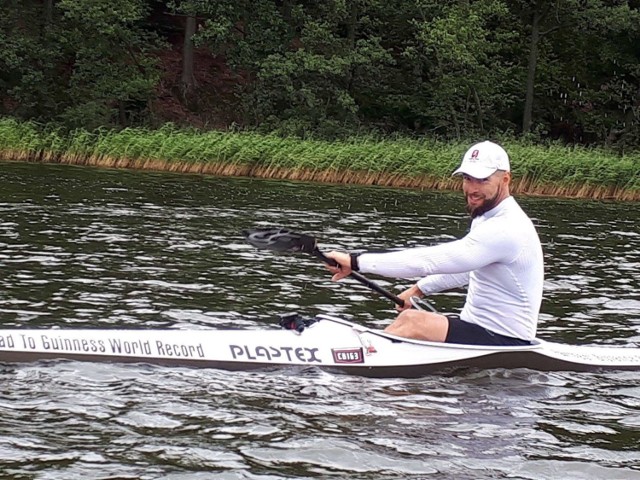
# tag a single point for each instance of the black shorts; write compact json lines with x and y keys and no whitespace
{"x":471,"y":334}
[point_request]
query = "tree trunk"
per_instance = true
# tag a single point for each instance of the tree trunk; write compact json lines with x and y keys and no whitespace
{"x":48,"y":12}
{"x":351,"y":37}
{"x":479,"y":109}
{"x":286,"y":7}
{"x":527,"y":117}
{"x":454,"y":120}
{"x":122,"y":113}
{"x":188,"y":81}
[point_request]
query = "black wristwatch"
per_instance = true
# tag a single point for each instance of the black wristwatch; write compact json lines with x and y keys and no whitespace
{"x":354,"y":261}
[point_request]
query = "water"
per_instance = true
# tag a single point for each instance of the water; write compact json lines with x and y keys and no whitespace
{"x":93,"y":248}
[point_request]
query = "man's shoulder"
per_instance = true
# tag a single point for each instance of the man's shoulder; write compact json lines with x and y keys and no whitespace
{"x":509,"y":207}
{"x":508,"y":218}
{"x":506,"y":207}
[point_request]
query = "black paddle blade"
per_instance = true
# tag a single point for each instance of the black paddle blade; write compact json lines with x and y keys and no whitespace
{"x":280,"y":240}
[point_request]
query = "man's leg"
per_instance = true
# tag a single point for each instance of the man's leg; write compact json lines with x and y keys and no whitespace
{"x":420,"y":325}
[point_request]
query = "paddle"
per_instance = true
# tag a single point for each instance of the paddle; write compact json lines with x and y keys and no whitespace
{"x":283,"y":240}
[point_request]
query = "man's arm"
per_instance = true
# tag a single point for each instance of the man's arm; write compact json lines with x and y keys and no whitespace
{"x":440,"y":283}
{"x":481,"y":247}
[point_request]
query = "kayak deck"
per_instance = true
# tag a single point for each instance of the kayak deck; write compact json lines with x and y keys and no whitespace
{"x":329,"y":343}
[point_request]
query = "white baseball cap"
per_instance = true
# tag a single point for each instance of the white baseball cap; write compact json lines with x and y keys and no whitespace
{"x":483,"y":159}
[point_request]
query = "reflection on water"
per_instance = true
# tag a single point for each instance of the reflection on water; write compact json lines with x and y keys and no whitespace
{"x":86,"y":248}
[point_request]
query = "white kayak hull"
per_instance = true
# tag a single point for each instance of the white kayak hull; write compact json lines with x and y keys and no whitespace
{"x":330,"y":343}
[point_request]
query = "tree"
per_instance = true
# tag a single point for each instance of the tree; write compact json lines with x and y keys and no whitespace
{"x":574,"y":46}
{"x":113,"y":71}
{"x":458,"y":56}
{"x":447,"y":68}
{"x":82,"y":63}
{"x":305,"y":61}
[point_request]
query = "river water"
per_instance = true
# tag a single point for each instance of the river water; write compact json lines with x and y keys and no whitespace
{"x":83,"y":247}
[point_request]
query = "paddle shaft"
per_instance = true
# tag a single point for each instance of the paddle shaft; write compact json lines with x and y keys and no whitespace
{"x":361,"y":278}
{"x":283,"y":240}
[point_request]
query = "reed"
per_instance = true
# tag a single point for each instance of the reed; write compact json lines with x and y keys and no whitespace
{"x":552,"y":169}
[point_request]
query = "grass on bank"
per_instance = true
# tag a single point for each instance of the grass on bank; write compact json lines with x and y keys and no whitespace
{"x":537,"y":170}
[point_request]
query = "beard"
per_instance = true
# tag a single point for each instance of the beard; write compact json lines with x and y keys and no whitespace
{"x":484,"y":207}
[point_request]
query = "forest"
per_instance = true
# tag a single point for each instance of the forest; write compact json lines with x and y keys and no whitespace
{"x":538,"y":70}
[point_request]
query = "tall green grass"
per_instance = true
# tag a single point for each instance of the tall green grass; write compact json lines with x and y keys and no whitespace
{"x":557,"y":166}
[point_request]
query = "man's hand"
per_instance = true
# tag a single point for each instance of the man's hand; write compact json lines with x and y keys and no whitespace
{"x":344,"y":265}
{"x":413,"y":291}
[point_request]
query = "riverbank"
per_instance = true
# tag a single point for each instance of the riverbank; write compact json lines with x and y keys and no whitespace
{"x":552,"y":170}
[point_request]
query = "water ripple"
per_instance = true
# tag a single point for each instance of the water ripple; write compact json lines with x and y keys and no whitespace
{"x":94,"y":248}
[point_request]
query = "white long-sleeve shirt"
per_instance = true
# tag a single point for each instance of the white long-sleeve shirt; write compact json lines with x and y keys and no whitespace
{"x":500,"y":259}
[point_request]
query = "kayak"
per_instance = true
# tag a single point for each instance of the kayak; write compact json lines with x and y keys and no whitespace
{"x":324,"y":342}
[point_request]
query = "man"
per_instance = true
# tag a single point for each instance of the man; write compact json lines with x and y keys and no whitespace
{"x":500,"y":260}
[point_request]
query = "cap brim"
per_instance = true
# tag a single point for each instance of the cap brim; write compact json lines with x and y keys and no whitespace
{"x":475,"y":171}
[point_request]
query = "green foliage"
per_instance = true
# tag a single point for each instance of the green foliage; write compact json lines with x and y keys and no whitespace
{"x":586,"y":86}
{"x":552,"y":164}
{"x":331,"y":69}
{"x":455,"y":52}
{"x":113,"y":73}
{"x":309,"y":61}
{"x":91,"y":66}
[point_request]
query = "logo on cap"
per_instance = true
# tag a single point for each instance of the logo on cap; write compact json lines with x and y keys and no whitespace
{"x":474,"y":154}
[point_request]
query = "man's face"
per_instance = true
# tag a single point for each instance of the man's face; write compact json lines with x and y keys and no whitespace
{"x":484,"y":194}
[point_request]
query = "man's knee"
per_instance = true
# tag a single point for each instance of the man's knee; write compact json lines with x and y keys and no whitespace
{"x":420,"y":325}
{"x":409,"y":316}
